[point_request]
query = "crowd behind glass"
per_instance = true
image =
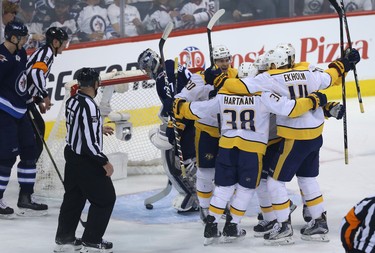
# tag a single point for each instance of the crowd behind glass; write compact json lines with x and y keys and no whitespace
{"x":95,"y":20}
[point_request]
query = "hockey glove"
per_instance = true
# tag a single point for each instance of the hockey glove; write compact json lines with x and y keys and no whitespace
{"x":318,"y":99}
{"x":334,"y":109}
{"x":214,"y":76}
{"x":347,"y":63}
{"x":177,"y":103}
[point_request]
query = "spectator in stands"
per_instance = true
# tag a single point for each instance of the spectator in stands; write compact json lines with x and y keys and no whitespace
{"x":9,"y":11}
{"x":311,"y":7}
{"x":93,"y":23}
{"x":196,"y":13}
{"x":158,"y":17}
{"x":253,"y":9}
{"x":132,"y":24}
{"x":61,"y":16}
{"x":27,"y":15}
{"x":358,"y":5}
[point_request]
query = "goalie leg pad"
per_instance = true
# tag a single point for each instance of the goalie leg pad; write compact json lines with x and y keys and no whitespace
{"x":185,"y":186}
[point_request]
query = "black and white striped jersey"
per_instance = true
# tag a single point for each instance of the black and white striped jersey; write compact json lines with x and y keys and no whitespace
{"x":84,"y":126}
{"x":37,"y":69}
{"x":358,"y":227}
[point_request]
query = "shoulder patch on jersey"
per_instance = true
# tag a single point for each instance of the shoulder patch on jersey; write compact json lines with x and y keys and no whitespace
{"x":3,"y":58}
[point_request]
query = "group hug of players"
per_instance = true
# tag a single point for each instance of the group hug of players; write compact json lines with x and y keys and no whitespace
{"x":245,"y":132}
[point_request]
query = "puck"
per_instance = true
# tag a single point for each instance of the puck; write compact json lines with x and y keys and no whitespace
{"x":149,"y":206}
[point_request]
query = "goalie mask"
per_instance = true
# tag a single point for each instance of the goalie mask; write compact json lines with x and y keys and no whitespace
{"x":290,"y":51}
{"x":247,"y":69}
{"x":88,"y":77}
{"x":149,"y":61}
{"x":276,"y":57}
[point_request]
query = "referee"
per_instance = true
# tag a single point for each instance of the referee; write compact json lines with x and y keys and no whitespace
{"x":87,"y":171}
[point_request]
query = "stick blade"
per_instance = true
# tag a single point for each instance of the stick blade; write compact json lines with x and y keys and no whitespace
{"x":168,"y":29}
{"x":215,"y":18}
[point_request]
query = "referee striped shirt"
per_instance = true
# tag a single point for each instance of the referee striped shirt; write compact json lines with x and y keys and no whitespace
{"x":37,"y":69}
{"x":358,"y":227}
{"x":84,"y":126}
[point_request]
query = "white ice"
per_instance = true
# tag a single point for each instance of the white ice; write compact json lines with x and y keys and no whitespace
{"x":342,"y":186}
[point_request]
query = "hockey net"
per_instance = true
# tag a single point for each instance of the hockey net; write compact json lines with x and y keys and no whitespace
{"x":130,"y":92}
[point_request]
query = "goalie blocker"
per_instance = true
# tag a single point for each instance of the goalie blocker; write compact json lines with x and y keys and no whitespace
{"x":186,"y":200}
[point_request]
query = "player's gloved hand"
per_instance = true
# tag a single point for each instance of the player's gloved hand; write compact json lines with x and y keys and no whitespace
{"x":342,"y":65}
{"x":214,"y":76}
{"x":334,"y":109}
{"x":177,"y":103}
{"x":180,"y":126}
{"x":318,"y":99}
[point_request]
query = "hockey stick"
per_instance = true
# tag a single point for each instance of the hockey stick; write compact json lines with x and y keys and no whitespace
{"x":212,"y":22}
{"x":150,"y":200}
{"x":168,"y":29}
{"x":345,"y":125}
{"x":50,"y":155}
{"x":350,"y":46}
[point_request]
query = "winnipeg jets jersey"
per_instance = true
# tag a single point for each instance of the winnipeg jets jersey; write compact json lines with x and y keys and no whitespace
{"x":130,"y":13}
{"x":244,"y":120}
{"x":93,"y":18}
{"x":157,"y":19}
{"x":13,"y":91}
{"x":202,"y":13}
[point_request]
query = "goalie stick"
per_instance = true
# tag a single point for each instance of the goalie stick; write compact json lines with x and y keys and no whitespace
{"x":168,"y":29}
{"x":212,"y":22}
{"x":83,"y":223}
{"x":345,"y":125}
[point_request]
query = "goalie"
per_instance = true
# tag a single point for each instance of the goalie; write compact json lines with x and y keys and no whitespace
{"x":163,"y":137}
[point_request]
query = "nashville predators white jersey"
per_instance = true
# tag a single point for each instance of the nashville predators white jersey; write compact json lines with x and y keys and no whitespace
{"x":244,"y":120}
{"x":294,"y":83}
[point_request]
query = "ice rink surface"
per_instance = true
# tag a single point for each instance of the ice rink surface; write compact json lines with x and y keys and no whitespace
{"x":135,"y":229}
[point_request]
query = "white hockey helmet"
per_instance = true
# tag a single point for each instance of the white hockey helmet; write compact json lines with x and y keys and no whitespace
{"x":149,"y":61}
{"x":247,"y":69}
{"x":276,"y":56}
{"x":220,"y":52}
{"x":260,"y":64}
{"x":290,"y":51}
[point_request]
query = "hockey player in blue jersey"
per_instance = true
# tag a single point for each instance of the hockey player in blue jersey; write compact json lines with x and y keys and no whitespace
{"x":16,"y":133}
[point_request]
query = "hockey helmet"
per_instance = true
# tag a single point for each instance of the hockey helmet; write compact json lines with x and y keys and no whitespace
{"x":247,"y":69}
{"x":220,"y":52}
{"x":277,"y":56}
{"x":149,"y":61}
{"x":290,"y":51}
{"x":15,"y":28}
{"x":87,"y":77}
{"x":56,"y":33}
{"x":260,"y":64}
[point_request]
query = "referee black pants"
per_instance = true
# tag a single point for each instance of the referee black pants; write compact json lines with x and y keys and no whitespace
{"x":85,"y":180}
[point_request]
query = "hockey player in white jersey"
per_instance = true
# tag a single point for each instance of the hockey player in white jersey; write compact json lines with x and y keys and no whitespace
{"x":244,"y":122}
{"x":299,"y":134}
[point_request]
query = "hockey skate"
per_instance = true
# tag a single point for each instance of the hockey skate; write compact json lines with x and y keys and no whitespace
{"x":30,"y":208}
{"x":211,"y":233}
{"x":281,"y":234}
{"x":103,"y":247}
{"x":68,"y":246}
{"x":231,"y":232}
{"x":306,"y":213}
{"x":316,"y":230}
{"x":6,"y":212}
{"x":263,"y":227}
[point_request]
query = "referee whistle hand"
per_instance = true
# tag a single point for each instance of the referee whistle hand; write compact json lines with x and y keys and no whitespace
{"x":109,"y":169}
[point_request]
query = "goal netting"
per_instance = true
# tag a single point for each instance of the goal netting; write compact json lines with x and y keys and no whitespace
{"x":129,"y":93}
